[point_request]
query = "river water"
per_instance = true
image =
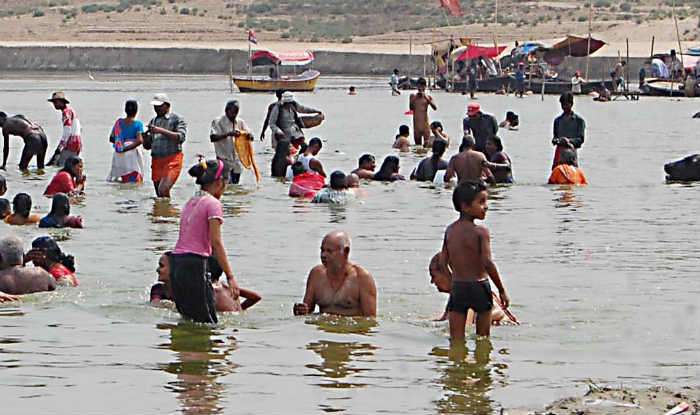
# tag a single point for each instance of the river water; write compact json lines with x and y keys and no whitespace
{"x":604,"y":278}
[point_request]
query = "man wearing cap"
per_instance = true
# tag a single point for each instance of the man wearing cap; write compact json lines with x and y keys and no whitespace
{"x":35,"y":142}
{"x":224,"y":130}
{"x":479,"y":125}
{"x":71,"y":143}
{"x":165,"y":135}
{"x":284,"y":119}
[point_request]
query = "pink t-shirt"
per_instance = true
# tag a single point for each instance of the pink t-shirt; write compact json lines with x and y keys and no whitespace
{"x":194,"y":224}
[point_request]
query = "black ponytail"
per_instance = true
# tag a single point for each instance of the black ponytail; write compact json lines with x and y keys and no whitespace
{"x":68,"y":261}
{"x":204,"y":171}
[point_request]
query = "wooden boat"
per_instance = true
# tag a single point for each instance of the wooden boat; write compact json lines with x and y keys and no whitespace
{"x":663,"y":88}
{"x":558,"y":86}
{"x":304,"y":82}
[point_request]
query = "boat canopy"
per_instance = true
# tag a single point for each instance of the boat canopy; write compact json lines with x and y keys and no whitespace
{"x":268,"y":58}
{"x":576,"y":46}
{"x":476,"y":51}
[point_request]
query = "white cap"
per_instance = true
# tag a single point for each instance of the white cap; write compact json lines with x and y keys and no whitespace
{"x":287,"y":97}
{"x":160,"y":99}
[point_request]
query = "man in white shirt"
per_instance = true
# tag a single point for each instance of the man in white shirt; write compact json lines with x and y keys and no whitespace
{"x":224,"y":130}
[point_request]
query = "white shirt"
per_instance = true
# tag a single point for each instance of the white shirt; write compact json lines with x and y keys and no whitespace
{"x":225,"y":150}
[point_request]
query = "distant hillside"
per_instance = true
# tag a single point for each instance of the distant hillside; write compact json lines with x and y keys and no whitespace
{"x":343,"y":21}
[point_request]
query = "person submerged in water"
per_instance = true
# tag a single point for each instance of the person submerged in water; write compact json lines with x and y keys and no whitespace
{"x":22,"y":211}
{"x":429,"y":167}
{"x":468,"y":164}
{"x":281,"y":159}
{"x":46,"y":254}
{"x":389,"y":171}
{"x":15,"y":278}
{"x":512,"y":121}
{"x":162,"y":290}
{"x":441,"y":277}
{"x":308,"y":156}
{"x":5,"y":208}
{"x":501,"y":167}
{"x":305,"y":184}
{"x":401,"y":142}
{"x":69,"y":180}
{"x":59,"y":216}
{"x":567,"y":171}
{"x":365,"y":167}
{"x":337,"y":192}
{"x":337,"y":285}
{"x":438,"y":133}
{"x":466,"y":250}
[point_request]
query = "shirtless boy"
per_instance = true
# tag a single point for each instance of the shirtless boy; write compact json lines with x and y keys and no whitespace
{"x":419,"y":103}
{"x":337,"y":285}
{"x":467,"y":251}
{"x":365,"y":167}
{"x":35,"y":142}
{"x":468,"y":164}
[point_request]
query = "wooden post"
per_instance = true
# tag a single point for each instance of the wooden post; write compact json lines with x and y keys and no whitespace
{"x":590,"y":29}
{"x":230,"y":72}
{"x":627,"y":64}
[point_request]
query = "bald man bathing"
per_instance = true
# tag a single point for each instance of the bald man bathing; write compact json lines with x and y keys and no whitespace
{"x":337,"y":285}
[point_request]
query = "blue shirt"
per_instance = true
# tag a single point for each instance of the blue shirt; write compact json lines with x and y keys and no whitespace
{"x":123,"y":132}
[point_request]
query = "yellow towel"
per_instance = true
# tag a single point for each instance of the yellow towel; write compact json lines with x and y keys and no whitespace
{"x":244,"y":149}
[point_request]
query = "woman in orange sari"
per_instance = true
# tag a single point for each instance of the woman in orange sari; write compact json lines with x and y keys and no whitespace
{"x":568,"y":172}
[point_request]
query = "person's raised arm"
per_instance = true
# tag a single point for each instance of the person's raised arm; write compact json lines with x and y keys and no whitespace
{"x":306,"y":110}
{"x":219,"y":252}
{"x":490,"y":266}
{"x":5,"y":148}
{"x":431,"y":102}
{"x":308,"y":304}
{"x":368,"y":293}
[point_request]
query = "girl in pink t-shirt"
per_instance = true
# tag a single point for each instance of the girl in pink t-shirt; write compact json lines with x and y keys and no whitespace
{"x":200,"y":238}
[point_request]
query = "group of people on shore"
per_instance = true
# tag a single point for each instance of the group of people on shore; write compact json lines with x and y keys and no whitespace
{"x":196,"y":274}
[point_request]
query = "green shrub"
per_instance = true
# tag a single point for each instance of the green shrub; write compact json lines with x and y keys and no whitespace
{"x":90,"y":8}
{"x":38,"y":13}
{"x":625,"y":7}
{"x":185,"y":11}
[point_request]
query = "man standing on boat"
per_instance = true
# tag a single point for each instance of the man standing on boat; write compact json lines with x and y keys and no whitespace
{"x":284,"y":118}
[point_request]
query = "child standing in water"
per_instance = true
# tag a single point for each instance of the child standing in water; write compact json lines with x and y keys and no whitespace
{"x":467,"y":251}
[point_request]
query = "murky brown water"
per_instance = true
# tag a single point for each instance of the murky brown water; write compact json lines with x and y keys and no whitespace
{"x":605,"y":278}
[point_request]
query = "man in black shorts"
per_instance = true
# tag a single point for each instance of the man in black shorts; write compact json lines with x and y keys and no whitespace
{"x":35,"y":142}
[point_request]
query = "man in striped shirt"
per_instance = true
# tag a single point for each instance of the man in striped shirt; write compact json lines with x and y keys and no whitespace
{"x":71,"y":143}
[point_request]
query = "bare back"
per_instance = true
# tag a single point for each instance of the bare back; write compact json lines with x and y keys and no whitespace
{"x":468,"y":165}
{"x":24,"y":280}
{"x":462,"y":250}
{"x":18,"y":125}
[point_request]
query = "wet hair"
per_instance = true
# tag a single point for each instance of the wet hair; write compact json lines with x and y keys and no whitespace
{"x":60,"y":205}
{"x":387,"y":169}
{"x":3,"y":182}
{"x":497,"y":141}
{"x":22,"y":204}
{"x":131,"y":108}
{"x":422,"y":82}
{"x":233,"y":104}
{"x":512,"y":118}
{"x":365,"y":158}
{"x":439,"y":148}
{"x":70,"y":163}
{"x":4,"y":207}
{"x":352,"y":89}
{"x":568,"y":157}
{"x":11,"y":251}
{"x":466,"y":192}
{"x":53,"y":252}
{"x":467,"y":142}
{"x":396,"y":71}
{"x":403,"y":130}
{"x":279,"y":93}
{"x":435,"y":125}
{"x":205,"y":172}
{"x":298,"y":168}
{"x":566,"y":97}
{"x":338,"y":180}
{"x":315,"y":142}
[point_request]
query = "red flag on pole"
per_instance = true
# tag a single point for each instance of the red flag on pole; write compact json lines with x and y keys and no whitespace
{"x":251,"y":37}
{"x":452,"y":6}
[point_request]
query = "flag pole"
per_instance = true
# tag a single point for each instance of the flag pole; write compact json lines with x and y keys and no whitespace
{"x":250,"y":64}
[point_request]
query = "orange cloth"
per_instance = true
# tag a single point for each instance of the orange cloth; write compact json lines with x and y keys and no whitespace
{"x":246,"y":154}
{"x":566,"y":174}
{"x":169,"y":167}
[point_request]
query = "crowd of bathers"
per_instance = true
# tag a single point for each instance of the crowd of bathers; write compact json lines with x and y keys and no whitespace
{"x":196,"y":275}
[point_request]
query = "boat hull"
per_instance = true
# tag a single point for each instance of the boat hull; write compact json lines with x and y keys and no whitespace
{"x":663,"y":88}
{"x":305,"y":82}
{"x":558,"y":87}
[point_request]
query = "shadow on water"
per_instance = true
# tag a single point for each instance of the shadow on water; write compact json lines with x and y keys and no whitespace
{"x":336,"y":366}
{"x":201,"y":359}
{"x":465,"y":381}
